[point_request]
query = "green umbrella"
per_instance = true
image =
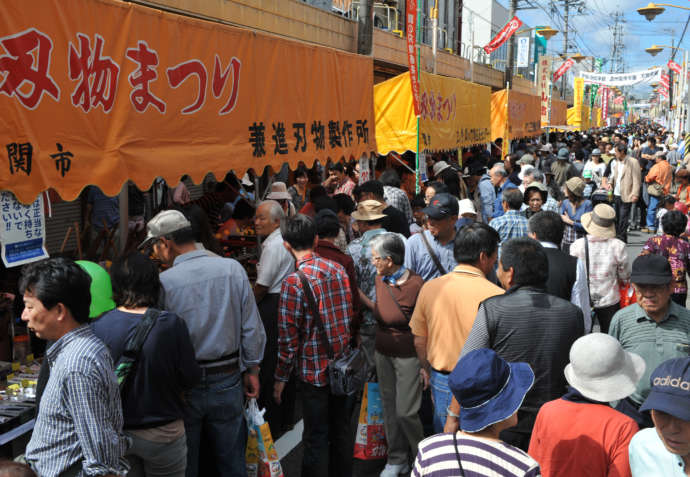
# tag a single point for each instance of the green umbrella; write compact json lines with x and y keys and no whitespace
{"x":101,"y":288}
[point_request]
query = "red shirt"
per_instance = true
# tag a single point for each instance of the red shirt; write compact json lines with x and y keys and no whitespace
{"x":574,"y":439}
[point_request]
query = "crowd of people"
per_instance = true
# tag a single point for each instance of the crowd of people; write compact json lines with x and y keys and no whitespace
{"x":488,"y":307}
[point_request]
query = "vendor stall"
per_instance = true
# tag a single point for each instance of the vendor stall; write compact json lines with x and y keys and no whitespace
{"x":515,"y":115}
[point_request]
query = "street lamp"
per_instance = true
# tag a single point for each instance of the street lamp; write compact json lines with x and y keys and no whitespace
{"x":653,"y":9}
{"x":655,"y":50}
{"x":545,"y":31}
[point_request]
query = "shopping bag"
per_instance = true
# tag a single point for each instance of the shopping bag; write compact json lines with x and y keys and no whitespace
{"x":628,"y":296}
{"x":261,"y":456}
{"x":370,"y":442}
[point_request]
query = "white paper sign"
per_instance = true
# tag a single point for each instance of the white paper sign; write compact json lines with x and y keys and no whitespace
{"x":623,"y":79}
{"x":22,"y":230}
{"x":523,"y":52}
{"x":364,"y":171}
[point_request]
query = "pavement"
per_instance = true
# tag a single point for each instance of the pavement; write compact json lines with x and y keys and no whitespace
{"x":289,"y":445}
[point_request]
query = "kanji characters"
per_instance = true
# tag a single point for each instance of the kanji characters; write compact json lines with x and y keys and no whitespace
{"x":347,"y":132}
{"x":362,"y":131}
{"x":219,"y":80}
{"x":19,"y":66}
{"x":334,"y":134}
{"x":257,"y":139}
{"x":179,"y":73}
{"x":20,"y":156}
{"x":300,"y":136}
{"x":98,"y":75}
{"x":141,"y":95}
{"x":318,"y":132}
{"x":63,"y":160}
{"x":279,"y":138}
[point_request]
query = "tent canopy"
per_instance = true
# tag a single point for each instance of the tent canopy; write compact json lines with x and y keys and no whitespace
{"x":453,"y":114}
{"x":101,"y":91}
{"x":515,"y":115}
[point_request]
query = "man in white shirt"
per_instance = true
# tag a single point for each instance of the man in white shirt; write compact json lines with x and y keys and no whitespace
{"x":274,"y":265}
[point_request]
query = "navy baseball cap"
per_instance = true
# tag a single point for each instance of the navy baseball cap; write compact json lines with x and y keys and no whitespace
{"x":441,"y":206}
{"x":670,"y":391}
{"x":488,"y":389}
{"x":651,"y":269}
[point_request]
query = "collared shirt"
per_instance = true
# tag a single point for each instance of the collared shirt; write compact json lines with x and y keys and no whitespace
{"x":551,"y":205}
{"x":677,"y":252}
{"x":498,"y":202}
{"x":579,"y":295}
{"x":608,"y":264}
{"x":397,"y":198}
{"x":345,"y":188}
{"x":418,"y":259}
{"x":487,"y":194}
{"x":575,"y":231}
{"x":360,"y":251}
{"x":510,"y":225}
{"x":654,"y":342}
{"x":445,"y":311}
{"x":213,"y":297}
{"x":299,"y":342}
{"x":275,"y":262}
{"x":79,"y":423}
{"x":650,"y":458}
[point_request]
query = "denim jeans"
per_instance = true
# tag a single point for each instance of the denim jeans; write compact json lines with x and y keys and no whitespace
{"x":157,"y":459}
{"x":328,"y":446}
{"x":214,"y":407}
{"x":651,"y":212}
{"x":441,"y":395}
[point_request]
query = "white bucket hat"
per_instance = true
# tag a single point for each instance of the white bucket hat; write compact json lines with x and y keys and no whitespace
{"x":601,"y":370}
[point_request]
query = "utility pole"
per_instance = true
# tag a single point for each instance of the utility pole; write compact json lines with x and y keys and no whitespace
{"x":617,"y":45}
{"x":567,"y":4}
{"x":365,"y":30}
{"x":511,"y":45}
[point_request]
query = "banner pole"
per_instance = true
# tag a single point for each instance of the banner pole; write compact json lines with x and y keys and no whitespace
{"x":419,"y":58}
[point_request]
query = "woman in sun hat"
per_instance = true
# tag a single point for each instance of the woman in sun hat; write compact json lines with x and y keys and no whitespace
{"x":490,"y":391}
{"x":608,"y":262}
{"x":580,"y":434}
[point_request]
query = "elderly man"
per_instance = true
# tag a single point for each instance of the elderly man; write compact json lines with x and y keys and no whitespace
{"x":430,"y":253}
{"x":665,"y":450}
{"x":527,"y":324}
{"x":214,"y":298}
{"x":511,"y":224}
{"x":624,"y":180}
{"x":500,"y":181}
{"x":275,"y":263}
{"x":78,"y":430}
{"x":487,"y":196}
{"x":446,"y":308}
{"x":655,"y":327}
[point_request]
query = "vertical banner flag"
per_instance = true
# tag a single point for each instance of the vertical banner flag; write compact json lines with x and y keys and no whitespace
{"x":539,"y":44}
{"x":672,"y":65}
{"x":412,"y":51}
{"x":604,"y":103}
{"x":664,"y":80}
{"x":523,"y":52}
{"x":563,"y":68}
{"x":22,"y":230}
{"x":578,"y":92}
{"x":544,"y":78}
{"x":501,"y":37}
{"x":594,"y":89}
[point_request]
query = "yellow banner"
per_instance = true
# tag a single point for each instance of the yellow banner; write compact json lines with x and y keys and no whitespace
{"x":522,"y":117}
{"x":578,"y":117}
{"x":578,"y":91}
{"x":453,"y":114}
{"x":101,"y":91}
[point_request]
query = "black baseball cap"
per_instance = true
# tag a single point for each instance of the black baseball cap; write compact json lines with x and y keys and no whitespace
{"x":651,"y":270}
{"x":441,"y":206}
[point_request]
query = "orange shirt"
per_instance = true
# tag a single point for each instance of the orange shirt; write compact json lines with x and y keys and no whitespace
{"x":445,"y":312}
{"x":572,"y":439}
{"x":661,"y":173}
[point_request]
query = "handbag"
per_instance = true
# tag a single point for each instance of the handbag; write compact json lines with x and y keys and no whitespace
{"x":128,"y":361}
{"x":347,"y":373}
{"x":655,"y":189}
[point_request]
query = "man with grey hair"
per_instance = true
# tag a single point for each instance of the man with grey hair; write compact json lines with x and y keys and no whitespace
{"x":501,"y":183}
{"x":275,"y":263}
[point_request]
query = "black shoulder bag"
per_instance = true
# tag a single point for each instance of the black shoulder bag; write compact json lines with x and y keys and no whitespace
{"x":434,"y":257}
{"x":348,"y":372}
{"x":127,"y":363}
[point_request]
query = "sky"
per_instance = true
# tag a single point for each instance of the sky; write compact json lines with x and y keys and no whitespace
{"x":594,"y":36}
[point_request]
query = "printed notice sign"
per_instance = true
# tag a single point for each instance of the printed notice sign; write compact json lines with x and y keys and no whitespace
{"x":22,"y":230}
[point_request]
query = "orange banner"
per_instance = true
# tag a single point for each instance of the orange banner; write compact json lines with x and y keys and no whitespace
{"x":522,"y":117}
{"x":101,"y":91}
{"x":559,"y":112}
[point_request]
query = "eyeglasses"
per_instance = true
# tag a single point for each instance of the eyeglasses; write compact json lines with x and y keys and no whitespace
{"x":377,"y":259}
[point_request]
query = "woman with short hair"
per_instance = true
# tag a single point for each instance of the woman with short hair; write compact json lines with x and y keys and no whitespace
{"x":397,"y":365}
{"x":152,"y":403}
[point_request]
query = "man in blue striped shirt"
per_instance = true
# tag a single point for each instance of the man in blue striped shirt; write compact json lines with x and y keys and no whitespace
{"x":78,"y":430}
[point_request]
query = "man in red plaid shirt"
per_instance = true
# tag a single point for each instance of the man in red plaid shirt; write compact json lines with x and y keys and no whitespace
{"x":326,"y":416}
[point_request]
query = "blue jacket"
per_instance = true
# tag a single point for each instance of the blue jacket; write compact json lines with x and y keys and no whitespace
{"x":487,"y":194}
{"x":498,"y":203}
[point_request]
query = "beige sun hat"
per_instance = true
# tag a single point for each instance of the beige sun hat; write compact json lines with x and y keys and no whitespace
{"x":576,"y":186}
{"x":601,"y":370}
{"x":279,"y":192}
{"x":369,"y":210}
{"x":601,"y":222}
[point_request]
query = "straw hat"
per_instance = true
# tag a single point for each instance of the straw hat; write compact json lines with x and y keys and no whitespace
{"x":576,"y":186}
{"x":601,"y":222}
{"x":600,"y":369}
{"x":369,"y":210}
{"x":279,"y":192}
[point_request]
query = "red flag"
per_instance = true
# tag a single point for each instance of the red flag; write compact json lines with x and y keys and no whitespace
{"x":505,"y":33}
{"x":411,"y":20}
{"x":605,"y":103}
{"x":563,"y":68}
{"x":664,"y":79}
{"x":672,"y":65}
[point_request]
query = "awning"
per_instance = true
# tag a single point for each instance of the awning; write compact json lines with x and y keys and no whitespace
{"x":454,"y":114}
{"x":579,"y":118}
{"x":522,"y":117}
{"x":559,"y":111}
{"x":101,"y":91}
